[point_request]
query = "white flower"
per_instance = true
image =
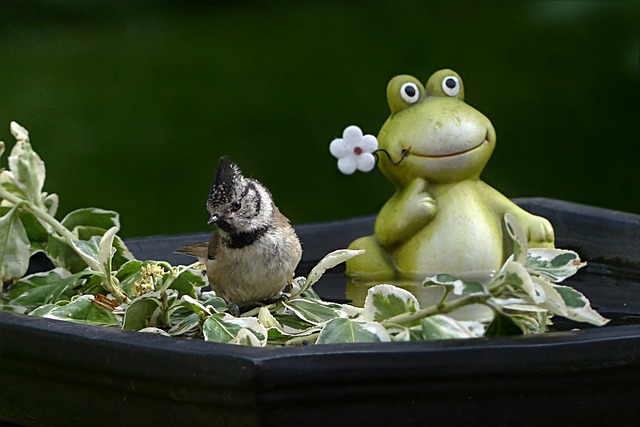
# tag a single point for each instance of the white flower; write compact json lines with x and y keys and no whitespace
{"x":353,"y":151}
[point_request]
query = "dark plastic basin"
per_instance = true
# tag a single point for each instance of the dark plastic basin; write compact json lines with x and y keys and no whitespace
{"x":64,"y":374}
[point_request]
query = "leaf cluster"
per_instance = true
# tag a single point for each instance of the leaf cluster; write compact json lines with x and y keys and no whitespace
{"x":96,"y":280}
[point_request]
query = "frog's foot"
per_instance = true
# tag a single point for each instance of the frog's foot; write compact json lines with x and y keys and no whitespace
{"x":374,"y":264}
{"x":540,"y":233}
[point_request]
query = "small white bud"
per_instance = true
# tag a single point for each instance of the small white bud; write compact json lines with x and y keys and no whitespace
{"x":20,"y":133}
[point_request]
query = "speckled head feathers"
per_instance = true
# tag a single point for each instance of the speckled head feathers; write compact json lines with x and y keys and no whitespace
{"x":228,"y":179}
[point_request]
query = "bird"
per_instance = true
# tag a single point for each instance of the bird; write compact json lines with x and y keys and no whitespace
{"x":253,"y":251}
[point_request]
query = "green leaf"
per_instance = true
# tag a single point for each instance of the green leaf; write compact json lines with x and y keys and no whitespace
{"x":458,"y":287}
{"x":518,"y":236}
{"x":314,"y":312}
{"x":530,"y":318}
{"x":556,"y":264}
{"x":503,"y":325}
{"x":122,"y":255}
{"x":401,"y":333}
{"x":443,"y":327}
{"x":188,"y":283}
{"x":578,"y":306}
{"x":266,"y":318}
{"x":343,"y":330}
{"x":89,"y":251}
{"x":213,"y":302}
{"x":83,"y":310}
{"x":37,"y":232}
{"x":8,"y":183}
{"x":18,"y":132}
{"x":141,"y":313}
{"x":62,"y":255}
{"x":187,"y":325}
{"x":106,"y":250}
{"x":193,"y":305}
{"x":51,"y":203}
{"x":329,"y":261}
{"x":28,"y":170}
{"x":553,"y":300}
{"x":292,"y":323}
{"x":516,"y":276}
{"x":248,"y":338}
{"x":385,"y":301}
{"x":44,"y":288}
{"x":91,"y":217}
{"x":223,"y":328}
{"x":14,"y":247}
{"x":129,"y":273}
{"x":155,"y":331}
{"x":43,"y":310}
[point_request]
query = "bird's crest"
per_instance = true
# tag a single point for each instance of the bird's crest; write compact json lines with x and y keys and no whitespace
{"x":228,"y":179}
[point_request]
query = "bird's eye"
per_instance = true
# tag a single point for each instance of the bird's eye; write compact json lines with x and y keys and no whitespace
{"x":236,"y":205}
{"x":410,"y":92}
{"x":451,"y":86}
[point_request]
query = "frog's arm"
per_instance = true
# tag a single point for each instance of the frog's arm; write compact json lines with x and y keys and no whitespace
{"x":404,"y":214}
{"x":539,"y":229}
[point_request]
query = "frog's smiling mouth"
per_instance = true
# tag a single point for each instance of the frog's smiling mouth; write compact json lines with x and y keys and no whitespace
{"x":440,"y":156}
{"x":406,"y":152}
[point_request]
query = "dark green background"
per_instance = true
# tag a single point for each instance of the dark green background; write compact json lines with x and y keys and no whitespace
{"x":130,"y":104}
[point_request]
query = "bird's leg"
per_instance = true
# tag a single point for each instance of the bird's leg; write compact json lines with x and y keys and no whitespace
{"x":278,"y":298}
{"x":234,"y":310}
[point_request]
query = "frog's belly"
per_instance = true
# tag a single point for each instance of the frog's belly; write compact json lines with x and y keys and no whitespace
{"x":464,"y":237}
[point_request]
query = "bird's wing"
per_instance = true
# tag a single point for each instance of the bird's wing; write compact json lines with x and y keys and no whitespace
{"x":199,"y":250}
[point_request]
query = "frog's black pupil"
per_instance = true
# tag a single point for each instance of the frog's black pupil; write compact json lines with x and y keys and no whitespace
{"x":451,"y":83}
{"x":410,"y":91}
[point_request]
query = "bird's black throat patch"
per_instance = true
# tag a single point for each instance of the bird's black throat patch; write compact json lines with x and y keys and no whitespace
{"x":243,"y":239}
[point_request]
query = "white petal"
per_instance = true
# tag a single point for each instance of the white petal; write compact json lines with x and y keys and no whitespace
{"x":368,"y":143}
{"x":352,"y":135}
{"x":366,"y":162}
{"x":20,"y":133}
{"x":347,"y":165}
{"x":339,"y":148}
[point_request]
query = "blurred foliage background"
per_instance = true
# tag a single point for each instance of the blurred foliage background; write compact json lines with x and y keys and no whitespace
{"x":130,"y":104}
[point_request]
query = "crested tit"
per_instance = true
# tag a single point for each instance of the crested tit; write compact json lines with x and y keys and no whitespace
{"x":253,"y":251}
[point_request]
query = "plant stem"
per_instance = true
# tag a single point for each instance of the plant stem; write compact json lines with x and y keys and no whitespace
{"x":40,"y":214}
{"x":440,"y":308}
{"x":114,"y":287}
{"x":174,"y":272}
{"x":111,"y":285}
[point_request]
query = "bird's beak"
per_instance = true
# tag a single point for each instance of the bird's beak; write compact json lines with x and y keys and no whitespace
{"x":213,"y":219}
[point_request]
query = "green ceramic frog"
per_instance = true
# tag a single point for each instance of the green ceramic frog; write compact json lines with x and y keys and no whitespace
{"x":442,"y":217}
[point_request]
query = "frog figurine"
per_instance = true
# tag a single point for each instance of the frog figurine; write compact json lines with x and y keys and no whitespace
{"x":442,"y":217}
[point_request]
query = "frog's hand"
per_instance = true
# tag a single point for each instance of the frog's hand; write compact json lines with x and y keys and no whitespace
{"x":404,"y":214}
{"x":539,"y":230}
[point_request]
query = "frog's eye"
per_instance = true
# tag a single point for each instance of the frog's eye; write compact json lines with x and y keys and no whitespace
{"x":410,"y":92}
{"x":451,"y":86}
